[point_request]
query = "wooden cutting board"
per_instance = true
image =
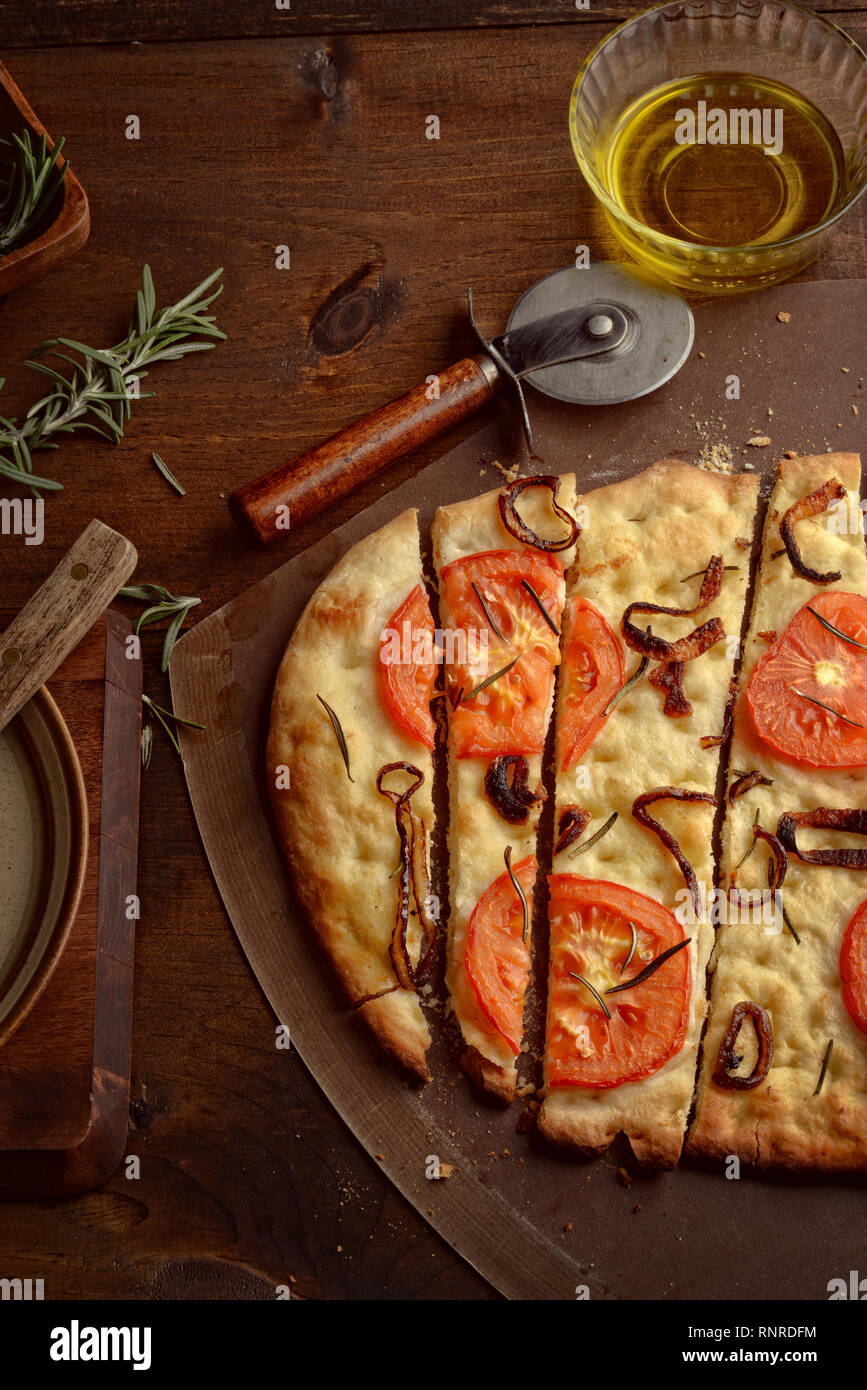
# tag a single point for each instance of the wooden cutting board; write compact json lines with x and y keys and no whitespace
{"x":537,"y":1225}
{"x":64,"y":1074}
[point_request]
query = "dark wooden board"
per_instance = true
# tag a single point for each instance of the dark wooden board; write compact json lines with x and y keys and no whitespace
{"x":105,"y":21}
{"x":64,"y":1075}
{"x":534,"y":1224}
{"x":248,"y":1175}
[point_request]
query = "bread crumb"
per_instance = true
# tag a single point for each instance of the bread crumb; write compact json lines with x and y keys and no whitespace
{"x":783,"y":317}
{"x":624,"y":1177}
{"x":790,"y":454}
{"x":759,"y":441}
{"x":715,"y":458}
{"x":510,"y":474}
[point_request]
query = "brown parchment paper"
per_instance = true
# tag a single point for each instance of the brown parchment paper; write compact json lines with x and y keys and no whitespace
{"x":535,"y":1224}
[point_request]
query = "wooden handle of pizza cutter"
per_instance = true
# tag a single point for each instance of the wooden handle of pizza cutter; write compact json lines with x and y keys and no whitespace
{"x":60,"y":613}
{"x":297,"y":491}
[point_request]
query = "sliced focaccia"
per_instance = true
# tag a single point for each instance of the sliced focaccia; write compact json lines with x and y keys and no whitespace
{"x":500,"y":560}
{"x":620,"y":1056}
{"x":351,"y":735}
{"x":790,"y":968}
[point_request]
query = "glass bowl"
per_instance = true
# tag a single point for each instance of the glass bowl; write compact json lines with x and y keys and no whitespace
{"x":779,"y":44}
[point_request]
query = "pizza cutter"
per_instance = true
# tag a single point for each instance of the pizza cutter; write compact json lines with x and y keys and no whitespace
{"x":598,"y":336}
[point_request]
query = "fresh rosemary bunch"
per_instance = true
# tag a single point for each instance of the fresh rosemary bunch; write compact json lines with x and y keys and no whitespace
{"x":162,"y":605}
{"x":28,"y":188}
{"x":97,"y":391}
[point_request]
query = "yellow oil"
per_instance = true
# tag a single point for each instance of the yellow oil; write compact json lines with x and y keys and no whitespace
{"x":724,"y":194}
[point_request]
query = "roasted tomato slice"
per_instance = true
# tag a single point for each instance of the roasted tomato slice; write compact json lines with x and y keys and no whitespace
{"x":853,"y":967}
{"x":591,"y":936}
{"x":809,"y":663}
{"x":498,"y":959}
{"x":510,"y":714}
{"x":594,"y":672}
{"x":408,"y":668}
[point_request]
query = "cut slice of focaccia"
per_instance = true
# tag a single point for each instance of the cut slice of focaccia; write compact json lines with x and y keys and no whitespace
{"x":501,"y":599}
{"x":620,"y":1056}
{"x":787,"y":984}
{"x":351,"y":734}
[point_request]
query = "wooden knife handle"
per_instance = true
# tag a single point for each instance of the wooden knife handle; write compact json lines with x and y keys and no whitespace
{"x":297,"y":491}
{"x":60,"y":613}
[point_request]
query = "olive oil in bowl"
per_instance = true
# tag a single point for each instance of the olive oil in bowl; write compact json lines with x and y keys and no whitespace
{"x":724,"y":159}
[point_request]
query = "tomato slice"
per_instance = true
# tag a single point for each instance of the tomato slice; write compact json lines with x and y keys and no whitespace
{"x":853,"y":967}
{"x":497,"y":960}
{"x":594,"y":672}
{"x":408,"y":668}
{"x":591,"y":936}
{"x":511,"y":714}
{"x":809,"y":661}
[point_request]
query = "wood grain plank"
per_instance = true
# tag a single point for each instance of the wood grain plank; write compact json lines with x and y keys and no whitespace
{"x":153,"y":21}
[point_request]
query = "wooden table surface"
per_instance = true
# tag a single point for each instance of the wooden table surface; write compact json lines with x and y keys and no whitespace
{"x":263,"y":127}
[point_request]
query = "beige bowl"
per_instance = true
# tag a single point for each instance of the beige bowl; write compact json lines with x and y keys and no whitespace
{"x":43,"y":853}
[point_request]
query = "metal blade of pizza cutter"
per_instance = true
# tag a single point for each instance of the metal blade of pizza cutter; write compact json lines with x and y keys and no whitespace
{"x":598,"y":336}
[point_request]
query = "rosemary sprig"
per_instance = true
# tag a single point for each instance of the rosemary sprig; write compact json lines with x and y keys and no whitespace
{"x":632,"y":949}
{"x":541,"y":607}
{"x":96,"y":392}
{"x":836,"y":631}
{"x":594,"y":991}
{"x":603,"y":830}
{"x":507,"y":855}
{"x":489,"y":680}
{"x":652,"y":968}
{"x":163,"y":715}
{"x":814,"y":701}
{"x":147,"y":744}
{"x":338,"y":734}
{"x":32,"y":181}
{"x":823,"y":1073}
{"x":745,"y":856}
{"x":162,"y":467}
{"x":695,"y":574}
{"x":163,"y":605}
{"x":627,"y":685}
{"x":489,"y":617}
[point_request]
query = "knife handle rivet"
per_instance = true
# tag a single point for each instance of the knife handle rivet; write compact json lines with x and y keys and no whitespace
{"x":599,"y":326}
{"x":79,"y":572}
{"x":11,"y":656}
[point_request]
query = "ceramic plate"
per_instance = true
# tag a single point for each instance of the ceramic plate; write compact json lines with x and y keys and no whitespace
{"x":43,"y":853}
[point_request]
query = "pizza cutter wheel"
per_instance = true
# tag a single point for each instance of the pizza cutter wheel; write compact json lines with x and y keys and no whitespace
{"x":598,"y":336}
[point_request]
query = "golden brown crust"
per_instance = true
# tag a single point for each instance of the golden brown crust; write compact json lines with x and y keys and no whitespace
{"x":478,"y":834}
{"x":339,"y":836}
{"x":780,"y":1122}
{"x":645,"y":539}
{"x":589,"y":1136}
{"x":396,"y":1033}
{"x":496,"y":1081}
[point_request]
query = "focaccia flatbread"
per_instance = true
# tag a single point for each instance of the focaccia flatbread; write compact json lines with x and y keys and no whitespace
{"x":642,"y":539}
{"x":340,"y":836}
{"x":781,"y":1121}
{"x":478,"y":835}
